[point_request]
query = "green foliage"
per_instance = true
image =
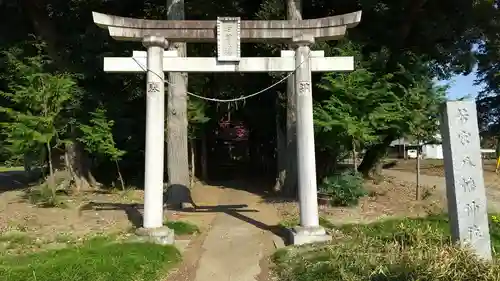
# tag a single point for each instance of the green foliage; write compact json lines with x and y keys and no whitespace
{"x":426,"y":99}
{"x":345,"y":188}
{"x":98,"y":136}
{"x":97,"y":259}
{"x":356,"y":107}
{"x":39,"y":105}
{"x":360,"y":108}
{"x":396,"y":249}
{"x":196,"y":116}
{"x":45,"y":96}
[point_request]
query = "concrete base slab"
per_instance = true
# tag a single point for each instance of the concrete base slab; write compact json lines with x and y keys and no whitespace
{"x":158,"y":235}
{"x":305,"y":235}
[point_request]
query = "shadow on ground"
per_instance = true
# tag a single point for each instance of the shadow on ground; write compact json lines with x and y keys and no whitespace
{"x":13,"y":180}
{"x":258,"y":186}
{"x":134,"y":212}
{"x":237,"y":211}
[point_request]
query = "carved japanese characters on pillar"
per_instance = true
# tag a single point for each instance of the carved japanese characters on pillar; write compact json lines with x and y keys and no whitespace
{"x":304,"y":88}
{"x":153,"y":87}
{"x":228,"y":38}
{"x":464,"y":177}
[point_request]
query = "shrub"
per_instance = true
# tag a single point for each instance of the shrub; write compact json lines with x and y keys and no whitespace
{"x":45,"y":196}
{"x":345,"y":188}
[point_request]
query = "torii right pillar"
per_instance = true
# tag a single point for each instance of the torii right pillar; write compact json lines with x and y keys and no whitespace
{"x":309,"y":230}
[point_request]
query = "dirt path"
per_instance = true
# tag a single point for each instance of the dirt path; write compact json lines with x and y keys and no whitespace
{"x":237,"y":244}
{"x":492,"y":191}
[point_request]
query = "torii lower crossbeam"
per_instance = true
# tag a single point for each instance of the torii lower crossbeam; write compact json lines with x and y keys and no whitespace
{"x":172,"y":63}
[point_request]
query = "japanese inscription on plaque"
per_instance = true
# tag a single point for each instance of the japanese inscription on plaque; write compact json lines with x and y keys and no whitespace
{"x":464,"y":177}
{"x":228,"y":39}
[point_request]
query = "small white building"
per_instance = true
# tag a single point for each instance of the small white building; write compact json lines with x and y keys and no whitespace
{"x":429,"y":150}
{"x":432,"y":151}
{"x":407,"y":149}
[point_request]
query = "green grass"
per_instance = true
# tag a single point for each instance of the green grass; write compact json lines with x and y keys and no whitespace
{"x":16,"y":237}
{"x":9,"y":169}
{"x":389,"y":250}
{"x":294,"y":221}
{"x":99,"y":259}
{"x":182,"y":227}
{"x":434,"y":229}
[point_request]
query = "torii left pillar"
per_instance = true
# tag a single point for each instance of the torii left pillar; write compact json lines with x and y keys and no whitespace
{"x":153,"y":228}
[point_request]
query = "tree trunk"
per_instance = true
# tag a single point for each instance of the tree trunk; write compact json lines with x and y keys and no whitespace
{"x":52,"y":179}
{"x":373,"y":155}
{"x":294,"y":12}
{"x":281,"y":157}
{"x":120,"y":178}
{"x":28,"y":165}
{"x":498,"y":155}
{"x":177,"y":123}
{"x":77,"y":164}
{"x":498,"y":165}
{"x":417,"y":188}
{"x":204,"y":155}
{"x":354,"y":155}
{"x":193,"y":169}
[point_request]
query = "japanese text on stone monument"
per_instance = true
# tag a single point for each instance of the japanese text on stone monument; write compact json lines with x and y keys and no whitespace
{"x":465,"y":184}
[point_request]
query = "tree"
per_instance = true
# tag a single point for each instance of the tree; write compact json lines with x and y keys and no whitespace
{"x":488,"y":73}
{"x":177,"y":119}
{"x":426,"y":99}
{"x":290,"y":181}
{"x":40,"y":101}
{"x":197,"y":119}
{"x":357,"y":105}
{"x":347,"y":110}
{"x":98,"y":138}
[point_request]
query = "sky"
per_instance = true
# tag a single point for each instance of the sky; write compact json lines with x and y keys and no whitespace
{"x":463,"y":86}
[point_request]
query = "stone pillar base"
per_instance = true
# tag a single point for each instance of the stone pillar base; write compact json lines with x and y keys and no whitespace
{"x":158,"y":235}
{"x":305,"y":235}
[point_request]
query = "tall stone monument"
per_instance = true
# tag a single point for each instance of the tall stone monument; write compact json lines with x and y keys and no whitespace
{"x":228,"y":33}
{"x":465,"y":189}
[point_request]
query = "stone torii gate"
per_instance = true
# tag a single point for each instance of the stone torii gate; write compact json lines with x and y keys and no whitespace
{"x":228,"y":32}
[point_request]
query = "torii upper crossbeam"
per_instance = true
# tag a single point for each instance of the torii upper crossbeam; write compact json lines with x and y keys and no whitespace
{"x":275,"y":31}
